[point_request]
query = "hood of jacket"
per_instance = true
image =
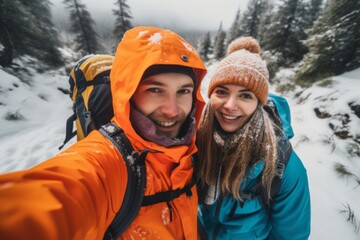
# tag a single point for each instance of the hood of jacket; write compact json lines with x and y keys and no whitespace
{"x":283,"y":109}
{"x":140,"y":48}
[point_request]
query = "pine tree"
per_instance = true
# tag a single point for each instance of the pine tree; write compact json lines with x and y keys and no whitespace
{"x":234,"y":31}
{"x":252,"y":16}
{"x":41,"y":10}
{"x":286,"y":32}
{"x":122,"y":22}
{"x":313,"y":9}
{"x":266,"y":21}
{"x":26,"y":28}
{"x":82,"y":25}
{"x":219,"y":44}
{"x":334,"y":42}
{"x":205,"y":47}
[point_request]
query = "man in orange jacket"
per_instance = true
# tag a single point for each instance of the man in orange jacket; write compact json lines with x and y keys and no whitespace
{"x":155,"y":84}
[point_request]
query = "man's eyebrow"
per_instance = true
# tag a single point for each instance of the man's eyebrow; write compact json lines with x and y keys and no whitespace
{"x":188,"y":85}
{"x":154,"y":82}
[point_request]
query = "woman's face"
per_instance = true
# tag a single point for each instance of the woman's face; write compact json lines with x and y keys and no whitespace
{"x":232,"y":105}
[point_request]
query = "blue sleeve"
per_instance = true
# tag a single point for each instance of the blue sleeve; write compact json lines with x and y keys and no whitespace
{"x":291,"y":213}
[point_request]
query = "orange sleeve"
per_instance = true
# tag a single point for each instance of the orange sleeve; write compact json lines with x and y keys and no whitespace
{"x":74,"y":195}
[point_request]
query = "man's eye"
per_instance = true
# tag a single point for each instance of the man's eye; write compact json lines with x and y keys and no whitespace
{"x":154,"y":90}
{"x":185,"y":91}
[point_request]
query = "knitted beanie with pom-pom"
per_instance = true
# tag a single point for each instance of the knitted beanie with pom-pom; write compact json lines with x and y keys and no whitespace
{"x":243,"y":66}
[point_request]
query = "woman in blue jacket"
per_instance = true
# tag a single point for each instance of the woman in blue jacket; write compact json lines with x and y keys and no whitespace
{"x":240,"y":147}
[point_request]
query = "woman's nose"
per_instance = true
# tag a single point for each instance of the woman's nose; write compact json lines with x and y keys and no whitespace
{"x":231,"y":104}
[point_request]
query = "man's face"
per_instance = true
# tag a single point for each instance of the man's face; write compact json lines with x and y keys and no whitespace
{"x":167,"y":100}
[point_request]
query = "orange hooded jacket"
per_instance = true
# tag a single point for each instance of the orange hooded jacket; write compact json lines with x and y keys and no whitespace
{"x":76,"y":194}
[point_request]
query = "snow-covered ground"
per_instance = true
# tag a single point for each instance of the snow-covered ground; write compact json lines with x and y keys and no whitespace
{"x":321,"y":152}
{"x":41,"y":110}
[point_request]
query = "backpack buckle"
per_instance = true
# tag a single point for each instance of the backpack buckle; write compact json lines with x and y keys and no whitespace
{"x":280,"y":170}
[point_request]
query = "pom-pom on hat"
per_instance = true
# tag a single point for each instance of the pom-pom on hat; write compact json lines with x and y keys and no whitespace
{"x":243,"y":66}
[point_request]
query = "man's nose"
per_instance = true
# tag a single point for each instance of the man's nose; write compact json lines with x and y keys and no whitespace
{"x":170,"y":106}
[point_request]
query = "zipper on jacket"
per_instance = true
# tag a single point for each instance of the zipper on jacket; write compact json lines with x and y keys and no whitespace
{"x":217,"y":213}
{"x":216,"y":230}
{"x":218,"y":207}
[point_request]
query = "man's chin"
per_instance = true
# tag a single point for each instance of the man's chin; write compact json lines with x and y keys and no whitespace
{"x":168,"y":134}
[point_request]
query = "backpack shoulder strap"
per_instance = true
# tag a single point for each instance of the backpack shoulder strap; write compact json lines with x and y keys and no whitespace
{"x":168,"y":196}
{"x":69,"y":130}
{"x":136,"y":180}
{"x":134,"y":196}
{"x":284,"y":152}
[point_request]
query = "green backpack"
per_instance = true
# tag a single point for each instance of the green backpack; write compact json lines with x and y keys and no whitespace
{"x":92,"y":110}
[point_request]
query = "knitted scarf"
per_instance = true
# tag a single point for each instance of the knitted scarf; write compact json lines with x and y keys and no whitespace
{"x":227,"y":141}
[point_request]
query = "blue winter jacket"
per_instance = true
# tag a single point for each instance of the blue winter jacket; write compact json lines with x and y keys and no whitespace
{"x":289,"y":218}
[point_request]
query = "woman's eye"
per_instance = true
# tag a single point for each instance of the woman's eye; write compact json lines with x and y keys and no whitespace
{"x":220,"y":92}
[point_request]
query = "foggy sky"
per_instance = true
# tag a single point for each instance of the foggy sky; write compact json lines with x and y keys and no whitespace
{"x":205,"y":15}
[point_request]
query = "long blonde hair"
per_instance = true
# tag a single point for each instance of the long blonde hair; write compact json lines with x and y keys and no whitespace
{"x":257,"y":142}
